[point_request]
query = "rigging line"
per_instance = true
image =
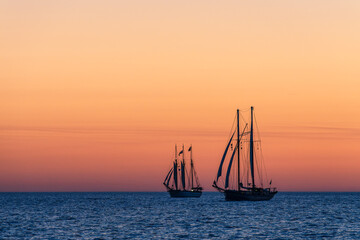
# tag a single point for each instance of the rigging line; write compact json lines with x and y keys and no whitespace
{"x":261,"y":164}
{"x":187,"y":176}
{"x":245,"y":109}
{"x":257,"y":127}
{"x":244,"y":163}
{"x":196,"y":178}
{"x":257,"y":168}
{"x":195,"y":173}
{"x":248,"y":167}
{"x":258,"y":163}
{"x":241,"y":163}
{"x":232,"y":126}
{"x":242,"y":117}
{"x":262,"y":156}
{"x":261,"y":153}
{"x":262,"y":168}
{"x":233,"y":175}
{"x":233,"y":178}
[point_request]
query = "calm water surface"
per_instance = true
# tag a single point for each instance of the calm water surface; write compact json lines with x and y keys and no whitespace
{"x":157,"y":216}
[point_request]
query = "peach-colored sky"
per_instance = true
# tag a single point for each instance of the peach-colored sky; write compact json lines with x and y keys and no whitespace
{"x":94,"y":94}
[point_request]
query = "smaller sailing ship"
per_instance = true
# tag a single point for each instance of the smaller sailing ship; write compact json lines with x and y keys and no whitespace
{"x":244,"y":187}
{"x":190,"y":186}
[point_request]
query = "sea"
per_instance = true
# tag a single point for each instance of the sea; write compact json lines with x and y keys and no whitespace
{"x":137,"y":215}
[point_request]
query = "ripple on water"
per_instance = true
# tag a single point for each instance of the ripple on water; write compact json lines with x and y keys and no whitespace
{"x":157,"y":216}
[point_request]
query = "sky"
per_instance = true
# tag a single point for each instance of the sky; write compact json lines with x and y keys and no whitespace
{"x":95,"y":94}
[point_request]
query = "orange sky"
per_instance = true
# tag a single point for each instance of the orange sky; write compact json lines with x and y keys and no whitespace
{"x":94,"y":94}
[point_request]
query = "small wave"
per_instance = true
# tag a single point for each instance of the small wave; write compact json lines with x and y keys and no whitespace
{"x":65,"y":218}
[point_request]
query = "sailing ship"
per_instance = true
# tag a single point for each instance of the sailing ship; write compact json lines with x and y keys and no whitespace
{"x":249,"y":158}
{"x":190,"y":186}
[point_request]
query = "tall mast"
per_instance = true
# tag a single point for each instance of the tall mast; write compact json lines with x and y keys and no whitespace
{"x":192,"y":168}
{"x":183,"y":167}
{"x":252,"y":147}
{"x":175,"y":153}
{"x":175,"y":168}
{"x":183,"y":160}
{"x":238,"y":150}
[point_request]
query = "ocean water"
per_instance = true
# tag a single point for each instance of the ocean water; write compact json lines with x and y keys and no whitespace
{"x":157,"y":216}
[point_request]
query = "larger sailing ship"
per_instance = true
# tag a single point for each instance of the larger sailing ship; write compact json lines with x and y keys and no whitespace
{"x":190,"y":186}
{"x":247,"y":151}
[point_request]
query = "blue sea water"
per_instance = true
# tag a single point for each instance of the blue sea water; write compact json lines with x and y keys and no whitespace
{"x":157,"y":216}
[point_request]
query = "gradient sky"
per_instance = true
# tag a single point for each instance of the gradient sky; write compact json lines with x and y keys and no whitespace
{"x":94,"y":94}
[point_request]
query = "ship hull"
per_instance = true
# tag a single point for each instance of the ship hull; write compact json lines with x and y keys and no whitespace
{"x":232,"y":195}
{"x":184,"y":194}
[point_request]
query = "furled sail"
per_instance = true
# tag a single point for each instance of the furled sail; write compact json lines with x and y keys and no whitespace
{"x":229,"y":168}
{"x":183,"y":174}
{"x":175,"y":175}
{"x":223,"y":158}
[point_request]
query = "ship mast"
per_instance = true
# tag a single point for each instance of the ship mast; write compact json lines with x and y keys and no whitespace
{"x":175,"y":168}
{"x":183,"y":168}
{"x":238,"y":150}
{"x":252,"y":147}
{"x":192,"y":168}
